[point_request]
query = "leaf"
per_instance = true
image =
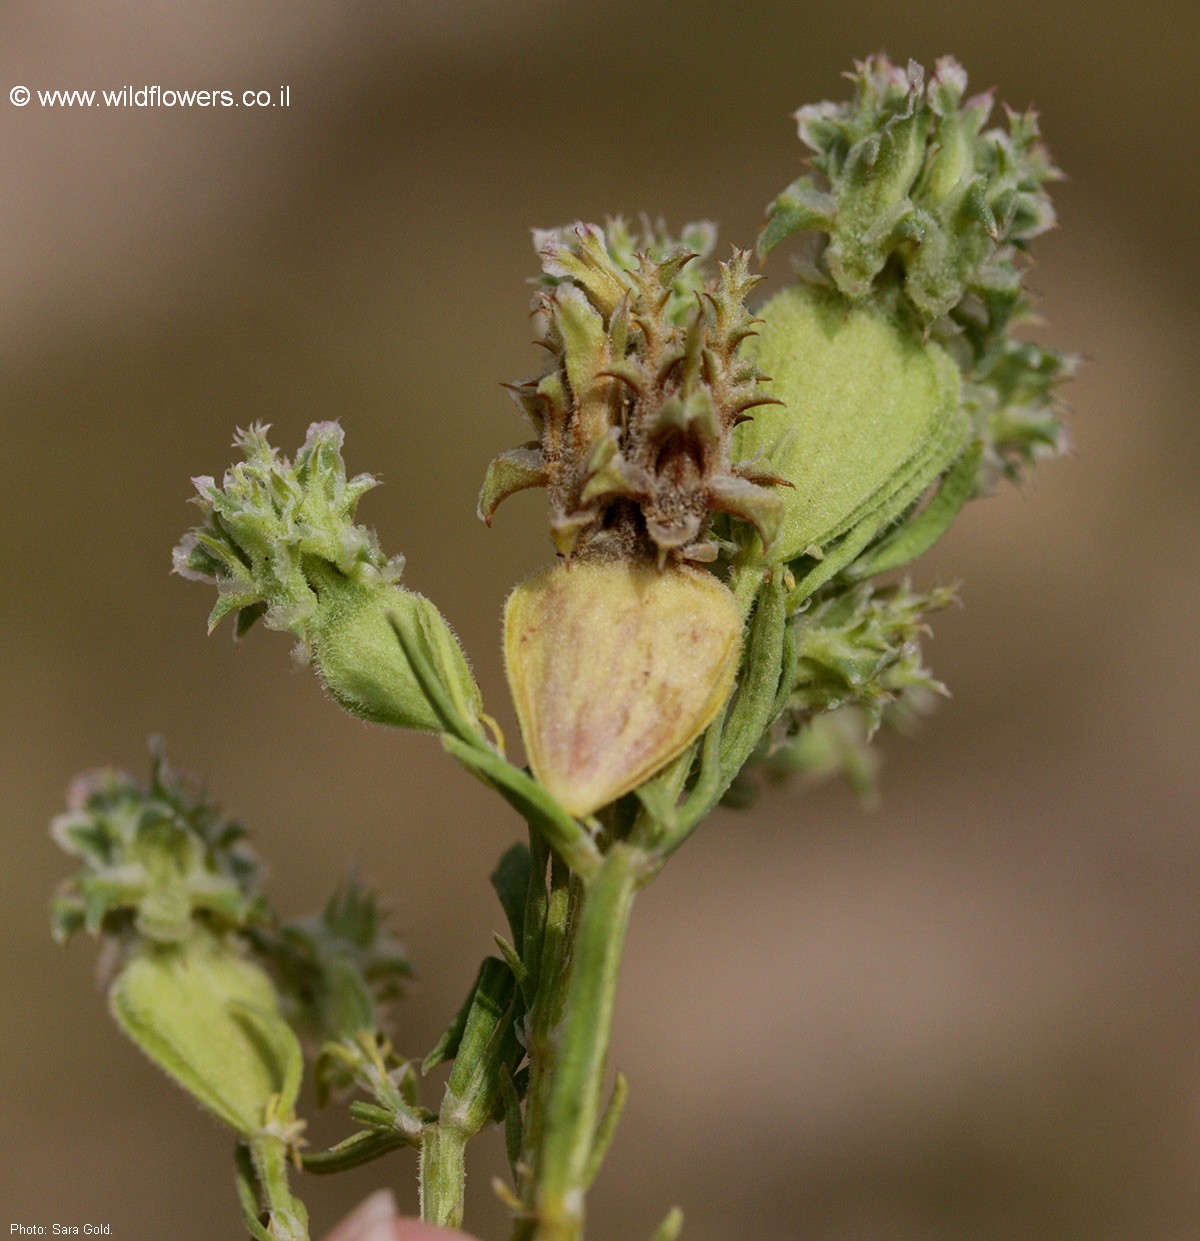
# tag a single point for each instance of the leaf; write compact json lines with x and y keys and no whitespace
{"x":564,"y":834}
{"x":488,"y":1047}
{"x":514,"y":1125}
{"x":446,"y":1047}
{"x":510,"y":880}
{"x":606,"y":1130}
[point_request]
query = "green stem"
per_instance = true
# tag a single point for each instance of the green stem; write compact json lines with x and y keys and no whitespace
{"x":288,"y":1219}
{"x":569,"y":1136}
{"x":554,"y":961}
{"x":443,"y":1174}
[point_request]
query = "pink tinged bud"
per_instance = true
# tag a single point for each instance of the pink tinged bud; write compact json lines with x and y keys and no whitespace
{"x":615,"y":670}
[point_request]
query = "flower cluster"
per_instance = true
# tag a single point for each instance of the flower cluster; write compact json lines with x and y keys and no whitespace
{"x":635,"y":413}
{"x":155,"y":857}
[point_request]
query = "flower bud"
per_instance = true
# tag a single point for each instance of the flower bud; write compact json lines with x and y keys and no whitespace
{"x":615,"y":669}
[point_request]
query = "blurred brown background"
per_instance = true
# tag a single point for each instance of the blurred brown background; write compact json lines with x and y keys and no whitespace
{"x":970,"y":1014}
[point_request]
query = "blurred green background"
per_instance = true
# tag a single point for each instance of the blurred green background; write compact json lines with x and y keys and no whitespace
{"x":972,"y":1013}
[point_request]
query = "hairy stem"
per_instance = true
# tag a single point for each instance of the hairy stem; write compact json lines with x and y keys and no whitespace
{"x":568,"y":1138}
{"x":443,"y":1174}
{"x":288,"y":1220}
{"x":554,"y":961}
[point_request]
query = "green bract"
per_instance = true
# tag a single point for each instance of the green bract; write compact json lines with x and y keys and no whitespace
{"x":870,"y":417}
{"x":210,"y":1019}
{"x":280,"y":543}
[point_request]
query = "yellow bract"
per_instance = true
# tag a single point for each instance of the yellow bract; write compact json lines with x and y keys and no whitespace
{"x":615,"y":670}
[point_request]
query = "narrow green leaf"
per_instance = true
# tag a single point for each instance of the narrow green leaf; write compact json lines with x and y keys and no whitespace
{"x":537,"y":902}
{"x":359,"y":1148}
{"x":566,"y":835}
{"x":371,"y":1114}
{"x":513,"y":1123}
{"x":447,"y":1046}
{"x":489,"y":1043}
{"x":514,"y":962}
{"x":510,"y":880}
{"x":279,"y":1045}
{"x":758,"y":681}
{"x":671,"y":1227}
{"x":247,"y":1192}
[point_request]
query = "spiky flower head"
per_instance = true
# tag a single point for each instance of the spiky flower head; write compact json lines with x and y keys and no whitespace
{"x":915,"y":203}
{"x":157,"y":858}
{"x":858,"y":667}
{"x":635,"y":413}
{"x":861,"y":647}
{"x":908,"y":188}
{"x":279,"y":541}
{"x":269,"y":520}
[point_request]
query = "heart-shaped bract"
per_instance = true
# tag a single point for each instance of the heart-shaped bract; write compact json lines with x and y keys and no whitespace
{"x":871,"y":415}
{"x":615,"y":669}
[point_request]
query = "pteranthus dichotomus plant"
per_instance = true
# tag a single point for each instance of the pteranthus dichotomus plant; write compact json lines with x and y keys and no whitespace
{"x":727,"y":481}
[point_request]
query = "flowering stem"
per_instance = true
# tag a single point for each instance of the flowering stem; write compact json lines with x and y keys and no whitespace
{"x":567,"y":1141}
